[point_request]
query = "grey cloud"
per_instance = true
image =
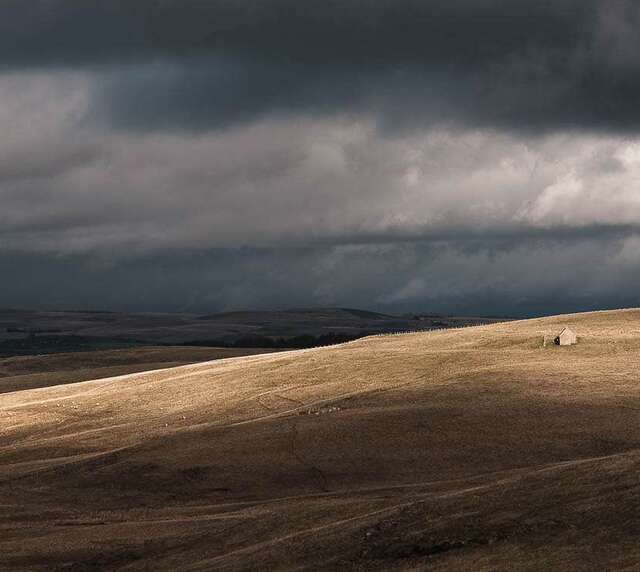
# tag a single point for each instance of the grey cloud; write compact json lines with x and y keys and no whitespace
{"x":309,"y":182}
{"x":203,"y":65}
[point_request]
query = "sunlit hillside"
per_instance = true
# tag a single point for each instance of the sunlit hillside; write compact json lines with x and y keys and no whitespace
{"x":465,"y":449}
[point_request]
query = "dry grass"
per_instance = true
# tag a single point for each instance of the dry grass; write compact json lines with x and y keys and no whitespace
{"x":35,"y":371}
{"x":463,"y":449}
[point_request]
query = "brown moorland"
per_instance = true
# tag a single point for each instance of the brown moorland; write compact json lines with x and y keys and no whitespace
{"x":18,"y":373}
{"x":470,"y":449}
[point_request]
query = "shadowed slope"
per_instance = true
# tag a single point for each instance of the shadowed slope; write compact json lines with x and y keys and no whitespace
{"x":460,"y":448}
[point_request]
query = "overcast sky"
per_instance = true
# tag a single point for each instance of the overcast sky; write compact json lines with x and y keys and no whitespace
{"x":467,"y":156}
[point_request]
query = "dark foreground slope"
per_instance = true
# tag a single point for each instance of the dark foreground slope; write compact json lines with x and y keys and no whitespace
{"x":456,"y":450}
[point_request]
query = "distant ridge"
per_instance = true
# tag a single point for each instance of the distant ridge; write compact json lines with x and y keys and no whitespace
{"x":24,"y":332}
{"x":367,"y":314}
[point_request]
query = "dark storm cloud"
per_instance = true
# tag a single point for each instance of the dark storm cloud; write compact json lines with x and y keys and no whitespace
{"x":201,"y":94}
{"x":194,"y":64}
{"x":516,"y":277}
{"x":319,"y":31}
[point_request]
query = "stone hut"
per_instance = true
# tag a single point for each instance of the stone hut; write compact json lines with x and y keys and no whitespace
{"x":566,"y":338}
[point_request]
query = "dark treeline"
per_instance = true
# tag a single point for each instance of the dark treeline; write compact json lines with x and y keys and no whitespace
{"x":48,"y":344}
{"x":295,"y":342}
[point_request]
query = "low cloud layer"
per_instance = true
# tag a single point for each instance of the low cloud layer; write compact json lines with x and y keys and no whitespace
{"x":465,"y":156}
{"x":488,"y":277}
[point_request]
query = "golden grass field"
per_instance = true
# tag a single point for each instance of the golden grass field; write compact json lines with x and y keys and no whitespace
{"x":35,"y":371}
{"x":471,"y":449}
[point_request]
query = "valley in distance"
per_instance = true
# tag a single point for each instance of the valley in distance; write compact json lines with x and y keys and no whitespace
{"x":469,"y":448}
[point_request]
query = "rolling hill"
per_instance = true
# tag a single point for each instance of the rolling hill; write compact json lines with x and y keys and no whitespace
{"x":34,"y":371}
{"x":466,"y":449}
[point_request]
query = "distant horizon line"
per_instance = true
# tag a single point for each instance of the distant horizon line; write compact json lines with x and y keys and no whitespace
{"x":293,"y":309}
